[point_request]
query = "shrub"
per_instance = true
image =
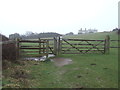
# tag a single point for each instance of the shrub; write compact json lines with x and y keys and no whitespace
{"x":9,"y":51}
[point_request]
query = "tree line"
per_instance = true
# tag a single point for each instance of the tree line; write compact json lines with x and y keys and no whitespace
{"x":31,"y":35}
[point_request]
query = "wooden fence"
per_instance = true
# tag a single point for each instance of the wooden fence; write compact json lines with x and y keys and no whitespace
{"x":33,"y":48}
{"x":59,"y":45}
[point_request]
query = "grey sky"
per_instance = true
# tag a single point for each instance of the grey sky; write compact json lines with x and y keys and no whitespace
{"x":61,"y":16}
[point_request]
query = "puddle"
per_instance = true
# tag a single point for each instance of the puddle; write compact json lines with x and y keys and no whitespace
{"x":43,"y":58}
{"x":61,"y":61}
{"x":57,"y":61}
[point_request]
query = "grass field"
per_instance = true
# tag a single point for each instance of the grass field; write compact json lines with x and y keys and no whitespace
{"x":86,"y":71}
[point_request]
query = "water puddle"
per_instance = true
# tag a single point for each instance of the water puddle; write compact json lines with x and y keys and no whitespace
{"x":61,"y":61}
{"x":57,"y":61}
{"x":43,"y":58}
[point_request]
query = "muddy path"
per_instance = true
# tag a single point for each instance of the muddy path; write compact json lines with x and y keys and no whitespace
{"x":59,"y":62}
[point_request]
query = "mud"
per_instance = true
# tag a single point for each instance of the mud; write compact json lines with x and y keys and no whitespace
{"x":61,"y":61}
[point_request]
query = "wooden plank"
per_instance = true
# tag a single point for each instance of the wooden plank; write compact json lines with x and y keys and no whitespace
{"x":81,"y":40}
{"x":79,"y":44}
{"x":50,"y":52}
{"x":114,"y":47}
{"x":107,"y":44}
{"x":85,"y":50}
{"x":47,"y":39}
{"x":79,"y":53}
{"x":27,"y":41}
{"x":39,"y":46}
{"x":32,"y":48}
{"x":82,"y":47}
{"x":115,"y":40}
{"x":29,"y":46}
{"x":47,"y":49}
{"x":44,"y":48}
{"x":55,"y":46}
{"x":59,"y":45}
{"x":51,"y":49}
{"x":29,"y":51}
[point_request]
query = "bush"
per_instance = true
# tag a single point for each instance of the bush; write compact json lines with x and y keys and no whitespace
{"x":9,"y":51}
{"x":6,"y":64}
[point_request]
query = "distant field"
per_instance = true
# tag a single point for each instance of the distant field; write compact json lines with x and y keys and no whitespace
{"x":86,"y":71}
{"x":99,"y":35}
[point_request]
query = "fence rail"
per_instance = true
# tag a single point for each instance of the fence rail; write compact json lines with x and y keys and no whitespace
{"x":82,"y":40}
{"x":115,"y":40}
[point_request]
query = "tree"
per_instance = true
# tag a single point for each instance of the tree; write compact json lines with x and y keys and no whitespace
{"x":29,"y":33}
{"x":70,"y":33}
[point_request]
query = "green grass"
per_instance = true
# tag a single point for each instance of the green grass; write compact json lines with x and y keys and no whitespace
{"x":79,"y":74}
{"x":99,"y":35}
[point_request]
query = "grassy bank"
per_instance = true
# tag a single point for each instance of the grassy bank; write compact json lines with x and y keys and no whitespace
{"x":86,"y":71}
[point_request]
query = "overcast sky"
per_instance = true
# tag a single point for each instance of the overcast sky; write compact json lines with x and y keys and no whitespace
{"x":61,"y":16}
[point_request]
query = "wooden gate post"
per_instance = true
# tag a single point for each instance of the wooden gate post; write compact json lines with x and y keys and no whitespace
{"x":17,"y":48}
{"x":59,"y":45}
{"x":39,"y":46}
{"x":47,"y":49}
{"x":55,"y":45}
{"x":107,"y":45}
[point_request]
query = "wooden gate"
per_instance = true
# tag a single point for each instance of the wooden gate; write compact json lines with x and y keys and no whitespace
{"x":33,"y":48}
{"x":79,"y":46}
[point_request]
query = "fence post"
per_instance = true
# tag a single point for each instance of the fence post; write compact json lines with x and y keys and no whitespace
{"x":47,"y":49}
{"x":39,"y":46}
{"x":59,"y":45}
{"x":55,"y":45}
{"x":107,"y":45}
{"x":43,"y":46}
{"x":17,"y":48}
